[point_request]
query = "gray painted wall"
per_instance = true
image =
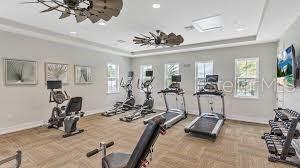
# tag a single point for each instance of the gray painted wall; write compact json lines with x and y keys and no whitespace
{"x":26,"y":106}
{"x":253,"y":110}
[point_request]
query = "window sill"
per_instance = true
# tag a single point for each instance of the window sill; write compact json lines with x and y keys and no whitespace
{"x":246,"y":97}
{"x":112,"y":93}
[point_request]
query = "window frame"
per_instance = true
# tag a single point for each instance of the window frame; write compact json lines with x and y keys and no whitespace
{"x":165,"y":72}
{"x":256,"y":96}
{"x":117,"y":79}
{"x":196,"y":71}
{"x":141,"y":71}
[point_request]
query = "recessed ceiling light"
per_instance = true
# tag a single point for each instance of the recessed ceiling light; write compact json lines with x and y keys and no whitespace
{"x":121,"y":41}
{"x":73,"y":32}
{"x":156,"y":6}
{"x":240,"y":26}
{"x":240,"y":29}
{"x":209,"y":23}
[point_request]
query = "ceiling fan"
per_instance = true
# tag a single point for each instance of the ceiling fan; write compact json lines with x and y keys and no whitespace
{"x":94,"y":10}
{"x":159,"y":39}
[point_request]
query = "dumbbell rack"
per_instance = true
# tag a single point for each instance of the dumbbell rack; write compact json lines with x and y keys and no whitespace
{"x":279,"y":140}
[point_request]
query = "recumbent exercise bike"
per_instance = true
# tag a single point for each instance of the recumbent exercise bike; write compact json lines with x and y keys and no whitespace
{"x":64,"y":118}
{"x":144,"y":148}
{"x":128,"y":104}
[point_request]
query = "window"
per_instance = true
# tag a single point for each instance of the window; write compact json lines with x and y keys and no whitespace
{"x":144,"y":68}
{"x":203,"y":69}
{"x":246,"y":77}
{"x":112,"y":78}
{"x":170,"y":70}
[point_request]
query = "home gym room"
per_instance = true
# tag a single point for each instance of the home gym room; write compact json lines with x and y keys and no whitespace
{"x":156,"y":83}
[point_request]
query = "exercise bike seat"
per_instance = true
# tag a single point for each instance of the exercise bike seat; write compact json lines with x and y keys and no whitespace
{"x":115,"y":160}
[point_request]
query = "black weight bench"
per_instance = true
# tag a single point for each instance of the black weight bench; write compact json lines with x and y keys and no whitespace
{"x":144,"y":147}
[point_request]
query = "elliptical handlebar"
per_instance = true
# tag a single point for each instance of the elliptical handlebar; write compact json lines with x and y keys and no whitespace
{"x":138,"y":84}
{"x":122,"y":84}
{"x":143,"y":85}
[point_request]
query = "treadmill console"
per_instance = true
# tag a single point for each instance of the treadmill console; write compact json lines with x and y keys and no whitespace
{"x":211,"y":86}
{"x":175,"y":86}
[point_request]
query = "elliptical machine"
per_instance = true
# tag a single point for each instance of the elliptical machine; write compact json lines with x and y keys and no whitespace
{"x":128,"y":104}
{"x":147,"y":107}
{"x":64,"y":118}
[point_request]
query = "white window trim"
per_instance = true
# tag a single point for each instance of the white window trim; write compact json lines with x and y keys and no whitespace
{"x":141,"y":70}
{"x":117,"y":77}
{"x":165,"y":72}
{"x":196,"y":70}
{"x":257,"y":78}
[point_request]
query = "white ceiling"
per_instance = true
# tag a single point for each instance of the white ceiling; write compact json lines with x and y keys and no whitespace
{"x":265,"y":20}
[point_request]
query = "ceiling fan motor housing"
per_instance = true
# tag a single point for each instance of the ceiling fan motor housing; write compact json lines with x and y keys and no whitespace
{"x":71,"y":3}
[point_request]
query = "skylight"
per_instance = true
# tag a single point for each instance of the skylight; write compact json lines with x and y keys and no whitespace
{"x":209,"y":23}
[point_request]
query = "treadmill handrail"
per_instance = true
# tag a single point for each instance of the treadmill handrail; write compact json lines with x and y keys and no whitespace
{"x":218,"y":93}
{"x":215,"y":93}
{"x":177,"y":91}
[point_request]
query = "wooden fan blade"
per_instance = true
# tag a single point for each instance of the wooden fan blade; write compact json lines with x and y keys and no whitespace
{"x":141,"y":38}
{"x":145,"y":36}
{"x":80,"y":17}
{"x":163,"y":35}
{"x":38,"y":1}
{"x":180,"y":39}
{"x":107,"y":10}
{"x":172,"y":35}
{"x":94,"y":18}
{"x":153,"y":35}
{"x":110,"y":11}
{"x":50,"y":9}
{"x":65,"y":14}
{"x":114,"y":4}
{"x":104,"y":16}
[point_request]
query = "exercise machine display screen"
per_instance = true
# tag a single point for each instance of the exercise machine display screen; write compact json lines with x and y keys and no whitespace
{"x":176,"y":78}
{"x":130,"y":74}
{"x":149,"y":73}
{"x":212,"y":78}
{"x":54,"y":84}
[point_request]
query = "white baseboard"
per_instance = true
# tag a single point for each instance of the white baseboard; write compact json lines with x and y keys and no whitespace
{"x":247,"y":119}
{"x":21,"y":127}
{"x":231,"y":117}
{"x":95,"y":111}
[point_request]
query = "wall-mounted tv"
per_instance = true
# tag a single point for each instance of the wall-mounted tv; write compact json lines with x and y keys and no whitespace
{"x":286,"y":68}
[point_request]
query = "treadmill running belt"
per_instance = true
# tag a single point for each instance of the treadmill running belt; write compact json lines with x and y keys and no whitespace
{"x":169,"y":115}
{"x":204,"y":125}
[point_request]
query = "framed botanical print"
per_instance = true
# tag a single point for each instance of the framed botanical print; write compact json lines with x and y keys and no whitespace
{"x":56,"y":71}
{"x":83,"y":74}
{"x":20,"y":72}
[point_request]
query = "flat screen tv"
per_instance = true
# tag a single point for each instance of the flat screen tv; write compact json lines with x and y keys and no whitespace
{"x":286,"y":68}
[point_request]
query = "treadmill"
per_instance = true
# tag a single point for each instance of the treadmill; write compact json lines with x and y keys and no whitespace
{"x":172,"y":116}
{"x":208,"y":124}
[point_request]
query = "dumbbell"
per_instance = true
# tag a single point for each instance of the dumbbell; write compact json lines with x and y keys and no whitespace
{"x":272,"y":149}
